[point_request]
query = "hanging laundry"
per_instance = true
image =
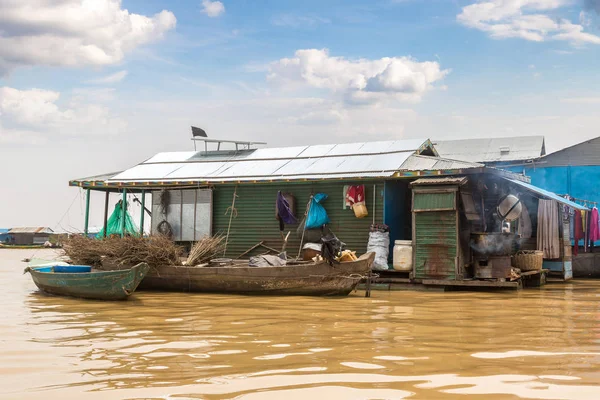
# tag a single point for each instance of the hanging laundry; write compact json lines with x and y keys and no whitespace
{"x":572,"y":226}
{"x":284,"y":209}
{"x":355,"y":197}
{"x":355,"y":194}
{"x":547,"y":229}
{"x":594,"y":228}
{"x":577,"y":231}
{"x":524,"y":228}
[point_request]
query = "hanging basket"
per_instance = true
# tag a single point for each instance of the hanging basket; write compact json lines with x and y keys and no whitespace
{"x":528,"y":260}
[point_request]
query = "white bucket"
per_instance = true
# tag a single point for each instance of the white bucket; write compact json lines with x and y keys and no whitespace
{"x":402,"y":258}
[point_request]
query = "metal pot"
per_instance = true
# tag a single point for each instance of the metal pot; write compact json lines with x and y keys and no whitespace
{"x":492,"y":243}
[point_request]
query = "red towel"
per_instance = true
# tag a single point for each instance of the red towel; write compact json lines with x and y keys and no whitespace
{"x":355,"y":194}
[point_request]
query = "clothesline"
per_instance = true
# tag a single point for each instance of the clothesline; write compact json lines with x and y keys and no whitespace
{"x":575,"y":199}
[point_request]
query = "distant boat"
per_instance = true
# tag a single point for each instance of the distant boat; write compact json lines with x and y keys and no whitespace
{"x":80,"y":281}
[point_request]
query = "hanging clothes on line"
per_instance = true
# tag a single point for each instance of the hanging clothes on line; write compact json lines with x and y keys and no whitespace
{"x":594,"y":228}
{"x":577,"y":231}
{"x":547,"y":229}
{"x":284,"y":209}
{"x":524,"y":228}
{"x":355,"y":194}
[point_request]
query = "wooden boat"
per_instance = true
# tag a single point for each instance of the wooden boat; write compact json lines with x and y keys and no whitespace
{"x":312,"y":279}
{"x":80,"y":281}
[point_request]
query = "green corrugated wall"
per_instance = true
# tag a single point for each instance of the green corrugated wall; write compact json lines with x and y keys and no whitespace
{"x":256,"y":221}
{"x":434,"y":201}
{"x":436,"y":246}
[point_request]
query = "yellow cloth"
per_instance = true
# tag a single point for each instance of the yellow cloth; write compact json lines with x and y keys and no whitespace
{"x":583,"y":219}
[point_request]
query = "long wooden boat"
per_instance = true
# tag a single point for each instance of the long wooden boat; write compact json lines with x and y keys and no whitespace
{"x":313,"y":279}
{"x":80,"y":281}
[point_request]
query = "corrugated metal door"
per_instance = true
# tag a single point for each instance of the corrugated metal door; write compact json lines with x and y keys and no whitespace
{"x":435,"y":234}
{"x":255,"y":221}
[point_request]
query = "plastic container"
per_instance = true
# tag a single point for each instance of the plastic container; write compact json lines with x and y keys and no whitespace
{"x":402,"y":258}
{"x":360,"y":210}
{"x":311,"y":250}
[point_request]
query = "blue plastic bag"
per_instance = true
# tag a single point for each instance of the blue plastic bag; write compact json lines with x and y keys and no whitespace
{"x":317,"y":215}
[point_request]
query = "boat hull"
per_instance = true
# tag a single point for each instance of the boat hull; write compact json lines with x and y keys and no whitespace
{"x":319,"y":279}
{"x":103,"y":285}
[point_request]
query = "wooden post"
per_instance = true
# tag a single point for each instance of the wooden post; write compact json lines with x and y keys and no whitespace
{"x":143,"y":212}
{"x":106,"y":212}
{"x":87,"y":212}
{"x":123,"y":212}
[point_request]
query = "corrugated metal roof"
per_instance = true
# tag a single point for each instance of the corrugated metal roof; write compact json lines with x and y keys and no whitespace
{"x":547,"y":194}
{"x":581,"y":154}
{"x":492,"y":149}
{"x":37,"y":229}
{"x":372,"y":159}
{"x":450,"y":180}
{"x":424,"y":163}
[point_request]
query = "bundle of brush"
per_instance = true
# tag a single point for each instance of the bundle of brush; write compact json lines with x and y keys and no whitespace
{"x":206,"y":249}
{"x":83,"y":250}
{"x":123,"y":251}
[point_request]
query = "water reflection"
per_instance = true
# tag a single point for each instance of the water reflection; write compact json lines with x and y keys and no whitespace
{"x":540,"y":344}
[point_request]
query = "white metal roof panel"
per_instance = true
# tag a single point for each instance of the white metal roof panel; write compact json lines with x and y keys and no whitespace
{"x":147,"y":172}
{"x":492,"y":149}
{"x":423,"y":163}
{"x":175,"y":156}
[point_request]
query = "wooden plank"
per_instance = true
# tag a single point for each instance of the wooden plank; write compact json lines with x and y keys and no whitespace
{"x":433,"y":209}
{"x":528,"y":273}
{"x":392,"y":280}
{"x":473,"y":283}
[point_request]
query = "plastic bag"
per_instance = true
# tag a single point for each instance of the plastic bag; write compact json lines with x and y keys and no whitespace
{"x":379,"y":242}
{"x":317,"y":215}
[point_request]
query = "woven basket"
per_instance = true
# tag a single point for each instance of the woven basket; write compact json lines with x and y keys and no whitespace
{"x":528,"y":260}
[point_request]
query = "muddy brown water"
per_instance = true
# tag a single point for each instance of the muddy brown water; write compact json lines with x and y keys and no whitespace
{"x":536,"y":344}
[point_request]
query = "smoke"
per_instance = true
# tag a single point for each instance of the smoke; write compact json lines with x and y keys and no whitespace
{"x":493,"y":244}
{"x":592,"y":5}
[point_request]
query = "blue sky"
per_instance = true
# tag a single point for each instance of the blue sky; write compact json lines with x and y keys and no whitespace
{"x":96,"y":86}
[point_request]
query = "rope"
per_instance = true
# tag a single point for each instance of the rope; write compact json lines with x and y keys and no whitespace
{"x":304,"y":227}
{"x":58,"y":224}
{"x":232,"y":213}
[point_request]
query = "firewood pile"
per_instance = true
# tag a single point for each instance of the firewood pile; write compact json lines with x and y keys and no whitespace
{"x":123,"y":251}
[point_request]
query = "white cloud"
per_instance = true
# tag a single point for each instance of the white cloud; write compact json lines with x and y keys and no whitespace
{"x":36,"y":112}
{"x":109,"y":79}
{"x":298,"y":21}
{"x":73,"y":32}
{"x":361,"y":80}
{"x":526,"y":19}
{"x":212,"y":8}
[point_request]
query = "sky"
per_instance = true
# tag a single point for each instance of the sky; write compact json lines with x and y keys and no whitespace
{"x":95,"y":86}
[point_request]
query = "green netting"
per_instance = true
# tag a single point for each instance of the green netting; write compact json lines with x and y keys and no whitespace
{"x":114,"y":223}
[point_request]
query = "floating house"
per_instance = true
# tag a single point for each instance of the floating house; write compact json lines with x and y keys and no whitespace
{"x":25,"y":236}
{"x":570,"y":172}
{"x":436,"y":202}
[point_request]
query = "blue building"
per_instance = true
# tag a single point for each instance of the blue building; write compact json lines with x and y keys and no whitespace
{"x":574,"y":170}
{"x":4,"y":235}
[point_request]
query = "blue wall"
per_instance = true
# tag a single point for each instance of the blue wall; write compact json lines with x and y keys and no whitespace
{"x":582,"y":182}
